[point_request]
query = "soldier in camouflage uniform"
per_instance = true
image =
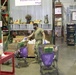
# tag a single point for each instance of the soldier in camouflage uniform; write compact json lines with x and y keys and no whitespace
{"x":39,"y":35}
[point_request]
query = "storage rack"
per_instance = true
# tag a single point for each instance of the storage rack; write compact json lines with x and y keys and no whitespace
{"x":71,"y":34}
{"x":4,"y":17}
{"x":58,"y":19}
{"x":29,"y":26}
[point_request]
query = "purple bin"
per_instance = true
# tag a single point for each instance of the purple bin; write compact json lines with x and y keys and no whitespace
{"x":23,"y":52}
{"x":47,"y":58}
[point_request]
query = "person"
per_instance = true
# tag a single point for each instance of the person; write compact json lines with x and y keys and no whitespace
{"x":39,"y":35}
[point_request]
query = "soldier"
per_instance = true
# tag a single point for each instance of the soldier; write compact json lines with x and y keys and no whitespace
{"x":39,"y":35}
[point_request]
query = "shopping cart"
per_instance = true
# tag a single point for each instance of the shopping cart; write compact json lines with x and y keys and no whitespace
{"x":21,"y":54}
{"x":48,"y":59}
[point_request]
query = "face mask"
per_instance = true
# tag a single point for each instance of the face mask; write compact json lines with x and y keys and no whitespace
{"x":35,"y":28}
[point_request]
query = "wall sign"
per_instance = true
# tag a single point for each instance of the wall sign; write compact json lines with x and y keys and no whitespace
{"x":27,"y":2}
{"x":58,"y":10}
{"x":74,"y":15}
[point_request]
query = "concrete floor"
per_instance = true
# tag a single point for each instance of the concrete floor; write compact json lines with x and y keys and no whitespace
{"x":66,"y":62}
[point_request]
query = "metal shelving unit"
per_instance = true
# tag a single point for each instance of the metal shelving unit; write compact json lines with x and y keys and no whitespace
{"x":58,"y":19}
{"x":71,"y":34}
{"x":29,"y":26}
{"x":4,"y":17}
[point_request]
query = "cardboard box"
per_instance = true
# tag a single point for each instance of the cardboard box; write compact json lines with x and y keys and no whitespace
{"x":31,"y":50}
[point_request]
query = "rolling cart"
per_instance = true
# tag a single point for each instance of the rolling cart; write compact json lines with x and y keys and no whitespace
{"x":48,"y":59}
{"x":7,"y":56}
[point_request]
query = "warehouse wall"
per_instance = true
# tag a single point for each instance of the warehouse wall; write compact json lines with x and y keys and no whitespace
{"x":37,"y":12}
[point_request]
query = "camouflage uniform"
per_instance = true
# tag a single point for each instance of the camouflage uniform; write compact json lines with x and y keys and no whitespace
{"x":39,"y":39}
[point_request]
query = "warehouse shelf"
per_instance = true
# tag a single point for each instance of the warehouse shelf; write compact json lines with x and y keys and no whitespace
{"x":29,"y":26}
{"x":71,"y":34}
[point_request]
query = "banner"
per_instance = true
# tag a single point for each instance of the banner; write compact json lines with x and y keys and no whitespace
{"x":27,"y":2}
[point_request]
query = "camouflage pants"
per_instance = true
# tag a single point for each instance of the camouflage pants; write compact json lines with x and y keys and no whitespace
{"x":37,"y":44}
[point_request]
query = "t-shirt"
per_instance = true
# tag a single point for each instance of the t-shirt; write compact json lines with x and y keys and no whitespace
{"x":38,"y":33}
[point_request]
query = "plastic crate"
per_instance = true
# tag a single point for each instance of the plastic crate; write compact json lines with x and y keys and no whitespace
{"x":48,"y":49}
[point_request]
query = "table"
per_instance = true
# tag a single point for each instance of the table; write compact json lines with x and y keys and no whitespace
{"x":8,"y":55}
